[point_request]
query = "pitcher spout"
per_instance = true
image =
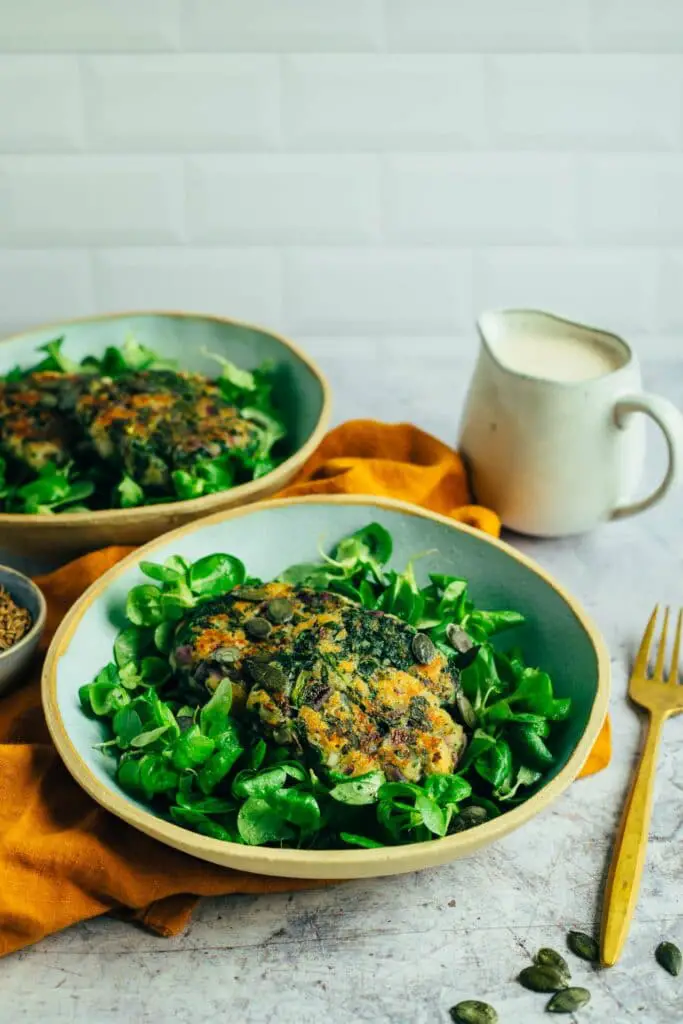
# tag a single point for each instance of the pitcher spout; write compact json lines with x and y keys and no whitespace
{"x":540,"y":346}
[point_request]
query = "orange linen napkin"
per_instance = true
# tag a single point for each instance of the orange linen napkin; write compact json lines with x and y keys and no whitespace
{"x":62,"y":858}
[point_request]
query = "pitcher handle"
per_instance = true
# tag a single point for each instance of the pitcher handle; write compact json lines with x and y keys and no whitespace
{"x":670,"y":421}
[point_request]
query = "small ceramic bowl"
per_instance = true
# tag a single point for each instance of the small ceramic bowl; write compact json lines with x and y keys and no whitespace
{"x":16,"y":659}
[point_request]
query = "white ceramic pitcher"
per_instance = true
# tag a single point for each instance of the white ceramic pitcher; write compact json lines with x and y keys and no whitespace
{"x":551,"y":432}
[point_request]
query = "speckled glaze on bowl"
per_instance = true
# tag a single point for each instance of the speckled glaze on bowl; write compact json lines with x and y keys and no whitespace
{"x":301,"y":391}
{"x":272,"y":535}
{"x":16,"y":659}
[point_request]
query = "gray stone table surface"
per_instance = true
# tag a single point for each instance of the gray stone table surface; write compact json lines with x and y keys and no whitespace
{"x":403,"y":950}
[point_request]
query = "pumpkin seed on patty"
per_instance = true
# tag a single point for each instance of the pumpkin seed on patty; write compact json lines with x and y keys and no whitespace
{"x":257,"y":628}
{"x":225,"y":655}
{"x":249,"y":594}
{"x":423,"y":649}
{"x":256,"y":665}
{"x":280,"y":610}
{"x":269,"y":676}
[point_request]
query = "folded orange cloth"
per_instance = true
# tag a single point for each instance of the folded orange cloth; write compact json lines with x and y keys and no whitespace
{"x":62,"y":858}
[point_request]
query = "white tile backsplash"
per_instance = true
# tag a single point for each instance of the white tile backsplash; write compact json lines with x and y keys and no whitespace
{"x":41,"y":107}
{"x":183,"y":102}
{"x":382,"y":102}
{"x":372,"y":170}
{"x":67,"y":200}
{"x":285,"y":198}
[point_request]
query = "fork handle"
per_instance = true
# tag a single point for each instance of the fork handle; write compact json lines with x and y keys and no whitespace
{"x":628,"y":859}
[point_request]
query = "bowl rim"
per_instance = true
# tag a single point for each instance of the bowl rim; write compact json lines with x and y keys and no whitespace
{"x":38,"y":623}
{"x":274,"y":480}
{"x":320,"y":863}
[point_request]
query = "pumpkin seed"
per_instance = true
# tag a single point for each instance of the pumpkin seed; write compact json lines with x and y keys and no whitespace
{"x":584,"y":946}
{"x":256,"y":666}
{"x":257,"y":628}
{"x":542,"y":979}
{"x":569,"y":1000}
{"x":280,"y":610}
{"x":465,"y":710}
{"x":423,"y":649}
{"x":669,"y":957}
{"x":459,"y":640}
{"x":225,"y":655}
{"x":472,"y":1011}
{"x":473,"y":815}
{"x":273,"y":679}
{"x":249,"y":594}
{"x":550,"y":958}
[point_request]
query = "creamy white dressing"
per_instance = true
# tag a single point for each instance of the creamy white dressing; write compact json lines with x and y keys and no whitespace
{"x":554,"y":356}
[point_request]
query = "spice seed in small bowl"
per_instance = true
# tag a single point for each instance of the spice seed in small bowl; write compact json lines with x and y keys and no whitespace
{"x":15,"y":621}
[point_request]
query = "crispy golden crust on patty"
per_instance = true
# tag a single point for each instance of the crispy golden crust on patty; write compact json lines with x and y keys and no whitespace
{"x":332,"y":677}
{"x":154,"y":421}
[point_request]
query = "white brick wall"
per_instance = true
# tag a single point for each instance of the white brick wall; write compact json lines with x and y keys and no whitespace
{"x":367,"y":175}
{"x":184,"y":102}
{"x":283,"y":198}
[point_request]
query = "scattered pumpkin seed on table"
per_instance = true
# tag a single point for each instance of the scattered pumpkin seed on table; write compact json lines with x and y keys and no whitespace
{"x":584,"y":946}
{"x":472,"y":1011}
{"x":569,"y":1000}
{"x":550,"y":958}
{"x":669,"y":957}
{"x":540,"y":978}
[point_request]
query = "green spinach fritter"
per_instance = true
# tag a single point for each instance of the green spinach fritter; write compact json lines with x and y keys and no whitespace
{"x":322,"y":674}
{"x":155,"y":421}
{"x":144,"y":423}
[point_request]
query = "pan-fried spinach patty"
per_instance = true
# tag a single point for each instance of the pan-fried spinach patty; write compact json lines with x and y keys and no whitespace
{"x":360,"y":689}
{"x":343,"y":704}
{"x":151,"y":423}
{"x":130,"y":429}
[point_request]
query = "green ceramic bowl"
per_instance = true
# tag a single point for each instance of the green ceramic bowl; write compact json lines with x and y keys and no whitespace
{"x":301,"y":392}
{"x":272,"y":535}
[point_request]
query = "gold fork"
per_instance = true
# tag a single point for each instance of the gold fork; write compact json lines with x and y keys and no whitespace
{"x":662,"y":697}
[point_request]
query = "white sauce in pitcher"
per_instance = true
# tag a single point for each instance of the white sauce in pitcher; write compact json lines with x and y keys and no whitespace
{"x":554,"y":357}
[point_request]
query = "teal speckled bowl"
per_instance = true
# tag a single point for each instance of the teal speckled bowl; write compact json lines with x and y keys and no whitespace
{"x":268,"y":537}
{"x":301,"y":393}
